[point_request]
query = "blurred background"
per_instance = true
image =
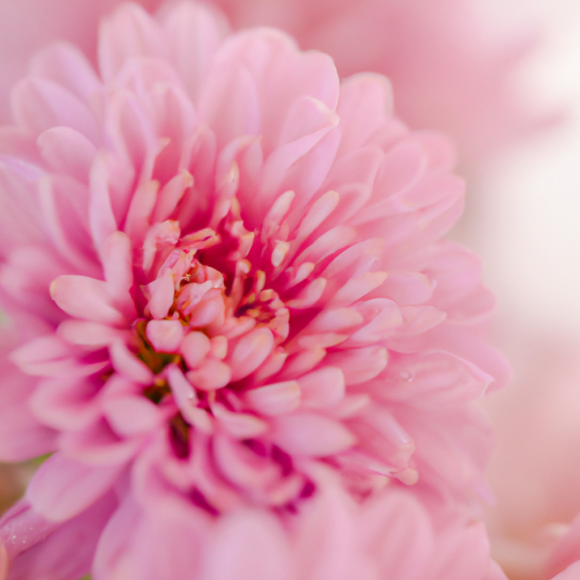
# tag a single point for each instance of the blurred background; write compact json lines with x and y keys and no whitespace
{"x":523,"y":219}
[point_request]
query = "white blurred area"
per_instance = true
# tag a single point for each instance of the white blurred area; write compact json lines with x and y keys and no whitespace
{"x":523,"y":219}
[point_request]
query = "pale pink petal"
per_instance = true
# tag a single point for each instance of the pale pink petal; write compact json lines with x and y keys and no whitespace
{"x":67,"y":151}
{"x":59,"y":498}
{"x":250,"y":352}
{"x":194,"y":347}
{"x":126,"y":363}
{"x":129,"y":32}
{"x":165,"y":335}
{"x":132,"y":416}
{"x":92,"y":334}
{"x":195,"y":31}
{"x":275,"y":399}
{"x":101,"y":217}
{"x":86,"y":298}
{"x":248,"y":544}
{"x":322,"y":388}
{"x":211,"y":375}
{"x":39,"y":105}
{"x":311,"y":435}
{"x":365,"y":100}
{"x":39,"y":547}
{"x":66,"y":65}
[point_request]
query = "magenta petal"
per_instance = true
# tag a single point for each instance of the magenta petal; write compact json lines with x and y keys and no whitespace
{"x":62,"y":488}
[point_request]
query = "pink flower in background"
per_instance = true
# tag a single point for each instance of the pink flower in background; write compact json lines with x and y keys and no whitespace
{"x":238,"y":309}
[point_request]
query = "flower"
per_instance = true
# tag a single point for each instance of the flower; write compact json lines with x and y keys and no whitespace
{"x":231,"y":263}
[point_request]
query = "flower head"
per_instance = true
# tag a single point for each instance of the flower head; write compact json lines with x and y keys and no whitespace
{"x":234,"y":267}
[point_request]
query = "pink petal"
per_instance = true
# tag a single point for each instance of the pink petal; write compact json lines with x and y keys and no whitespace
{"x":62,"y":488}
{"x":194,"y":347}
{"x":126,"y":363}
{"x":117,"y":258}
{"x":170,"y":195}
{"x":101,"y":217}
{"x":87,"y":299}
{"x":67,"y":151}
{"x":239,"y":425}
{"x":211,"y":375}
{"x":311,"y":435}
{"x":71,"y":240}
{"x":66,"y":403}
{"x":275,"y":399}
{"x":22,"y":437}
{"x":250,"y":352}
{"x":322,"y":388}
{"x":164,"y":335}
{"x":66,"y":65}
{"x":140,"y":210}
{"x":195,"y":32}
{"x":358,"y":287}
{"x":39,"y":105}
{"x":398,"y":531}
{"x":365,"y":101}
{"x":359,"y":365}
{"x":248,"y":544}
{"x":129,"y":32}
{"x":68,"y":551}
{"x":162,"y":291}
{"x":130,"y":416}
{"x":93,"y":334}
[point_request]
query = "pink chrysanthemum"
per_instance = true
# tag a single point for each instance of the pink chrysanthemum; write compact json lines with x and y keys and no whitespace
{"x":232,"y":273}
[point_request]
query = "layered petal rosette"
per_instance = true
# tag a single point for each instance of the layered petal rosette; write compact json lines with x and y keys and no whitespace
{"x":238,"y":292}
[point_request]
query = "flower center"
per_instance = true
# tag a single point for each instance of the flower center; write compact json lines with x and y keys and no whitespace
{"x":210,"y":330}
